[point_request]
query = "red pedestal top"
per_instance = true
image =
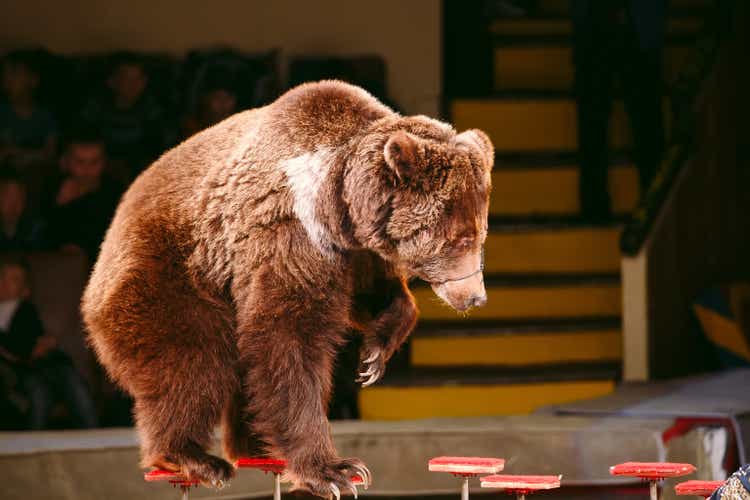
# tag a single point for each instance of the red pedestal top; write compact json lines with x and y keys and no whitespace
{"x":521,"y":484}
{"x":651,"y":470}
{"x":274,"y":465}
{"x":468,"y":466}
{"x":697,"y":488}
{"x":172,"y":477}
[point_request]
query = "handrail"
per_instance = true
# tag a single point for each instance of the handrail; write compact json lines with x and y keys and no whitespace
{"x":684,"y":92}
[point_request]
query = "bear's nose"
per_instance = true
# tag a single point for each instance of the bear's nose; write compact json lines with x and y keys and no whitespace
{"x":477,"y":300}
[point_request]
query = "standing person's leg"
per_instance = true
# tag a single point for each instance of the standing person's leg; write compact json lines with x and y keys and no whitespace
{"x":593,"y":59}
{"x":68,"y":386}
{"x":642,"y":90}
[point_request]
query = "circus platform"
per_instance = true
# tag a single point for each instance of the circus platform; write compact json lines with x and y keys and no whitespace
{"x":703,"y":420}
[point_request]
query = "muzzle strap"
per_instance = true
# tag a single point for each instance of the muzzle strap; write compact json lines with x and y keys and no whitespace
{"x":478,"y":271}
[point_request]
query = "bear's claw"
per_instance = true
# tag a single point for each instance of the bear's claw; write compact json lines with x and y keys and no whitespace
{"x":372,"y":356}
{"x":335,"y":479}
{"x":373,"y":366}
{"x":364,"y":473}
{"x":336,"y":492}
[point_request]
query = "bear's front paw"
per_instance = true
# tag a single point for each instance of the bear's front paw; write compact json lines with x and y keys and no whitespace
{"x":371,"y":365}
{"x":335,"y":478}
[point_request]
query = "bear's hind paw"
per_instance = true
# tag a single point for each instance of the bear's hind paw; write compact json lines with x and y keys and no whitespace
{"x":210,"y":470}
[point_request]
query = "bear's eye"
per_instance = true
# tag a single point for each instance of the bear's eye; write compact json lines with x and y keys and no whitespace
{"x":465,"y":242}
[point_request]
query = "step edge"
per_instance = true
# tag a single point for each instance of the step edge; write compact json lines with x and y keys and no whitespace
{"x":548,"y":279}
{"x":484,"y":375}
{"x":442,"y":329}
{"x":530,"y":224}
{"x":566,"y":41}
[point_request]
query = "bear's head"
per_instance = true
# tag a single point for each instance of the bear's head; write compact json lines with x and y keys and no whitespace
{"x":420,"y":199}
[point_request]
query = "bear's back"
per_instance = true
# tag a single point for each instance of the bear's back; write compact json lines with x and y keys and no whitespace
{"x":191,"y":197}
{"x":324,"y":114}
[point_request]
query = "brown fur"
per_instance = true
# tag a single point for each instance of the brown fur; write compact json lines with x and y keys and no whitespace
{"x":214,"y":300}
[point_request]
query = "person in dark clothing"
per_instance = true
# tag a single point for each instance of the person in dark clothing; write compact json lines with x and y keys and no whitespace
{"x":623,"y":38}
{"x":46,"y":374}
{"x":80,"y":204}
{"x":130,"y":119}
{"x":20,"y":231}
{"x":28,"y":132}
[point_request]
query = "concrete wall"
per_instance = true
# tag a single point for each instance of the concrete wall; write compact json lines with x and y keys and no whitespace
{"x":405,"y":34}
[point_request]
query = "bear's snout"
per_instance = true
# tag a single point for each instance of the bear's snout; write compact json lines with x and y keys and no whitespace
{"x":463,"y":295}
{"x":463,"y":287}
{"x":476,"y":300}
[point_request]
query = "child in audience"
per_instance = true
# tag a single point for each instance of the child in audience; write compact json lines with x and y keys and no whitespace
{"x":130,"y":119}
{"x":28,"y":133}
{"x":81,"y":204}
{"x":46,"y":374}
{"x":19,"y":230}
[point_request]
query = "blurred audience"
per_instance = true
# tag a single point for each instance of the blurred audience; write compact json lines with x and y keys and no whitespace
{"x":38,"y":373}
{"x":21,"y":231}
{"x":130,"y":119}
{"x":217,"y":98}
{"x":81,"y":202}
{"x":623,"y":38}
{"x":28,"y":132}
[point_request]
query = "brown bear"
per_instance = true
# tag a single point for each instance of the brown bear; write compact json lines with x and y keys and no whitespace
{"x":236,"y":264}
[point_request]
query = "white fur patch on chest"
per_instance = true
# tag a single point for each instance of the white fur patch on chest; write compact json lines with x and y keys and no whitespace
{"x":305,"y":176}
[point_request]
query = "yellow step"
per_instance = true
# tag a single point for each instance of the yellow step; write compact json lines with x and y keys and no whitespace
{"x":533,"y":67}
{"x":511,"y":301}
{"x":527,"y":124}
{"x":550,"y":67}
{"x":562,"y":26}
{"x":520,"y":348}
{"x":411,"y":402}
{"x":553,"y":250}
{"x":554,"y":190}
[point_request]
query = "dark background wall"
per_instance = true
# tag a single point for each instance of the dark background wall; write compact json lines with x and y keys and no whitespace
{"x":405,"y":34}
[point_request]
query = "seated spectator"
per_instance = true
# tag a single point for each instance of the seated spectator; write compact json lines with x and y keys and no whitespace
{"x":217,"y":99}
{"x":28,"y":133}
{"x":20,"y":231}
{"x":45,"y":373}
{"x":130,"y":119}
{"x":81,"y":203}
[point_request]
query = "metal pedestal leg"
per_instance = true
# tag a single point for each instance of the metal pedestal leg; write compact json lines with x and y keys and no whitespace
{"x":277,"y":487}
{"x":654,"y":489}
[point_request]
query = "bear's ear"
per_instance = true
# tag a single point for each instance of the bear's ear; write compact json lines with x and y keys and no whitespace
{"x":478,"y":142}
{"x":401,"y":154}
